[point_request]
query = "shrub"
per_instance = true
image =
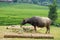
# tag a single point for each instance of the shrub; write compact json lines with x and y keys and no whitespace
{"x":53,"y":12}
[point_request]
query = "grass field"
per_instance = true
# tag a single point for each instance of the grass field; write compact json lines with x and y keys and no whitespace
{"x":13,"y":13}
{"x":55,"y":31}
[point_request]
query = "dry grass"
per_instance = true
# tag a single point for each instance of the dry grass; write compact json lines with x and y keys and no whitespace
{"x":54,"y":31}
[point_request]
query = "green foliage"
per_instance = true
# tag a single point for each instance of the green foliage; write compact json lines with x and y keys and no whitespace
{"x":14,"y":0}
{"x":53,"y":12}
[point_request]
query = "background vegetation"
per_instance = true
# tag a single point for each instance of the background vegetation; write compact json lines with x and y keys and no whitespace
{"x":13,"y":13}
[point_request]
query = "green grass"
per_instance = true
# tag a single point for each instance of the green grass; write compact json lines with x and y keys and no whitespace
{"x":58,"y":20}
{"x":14,"y":13}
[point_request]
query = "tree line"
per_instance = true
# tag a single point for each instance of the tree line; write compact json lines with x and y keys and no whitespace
{"x":39,"y":2}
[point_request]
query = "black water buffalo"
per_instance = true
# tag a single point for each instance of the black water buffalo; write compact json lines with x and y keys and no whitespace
{"x":38,"y":21}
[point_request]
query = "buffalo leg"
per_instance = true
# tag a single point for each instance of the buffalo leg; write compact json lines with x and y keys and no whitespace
{"x":48,"y":29}
{"x":35,"y":28}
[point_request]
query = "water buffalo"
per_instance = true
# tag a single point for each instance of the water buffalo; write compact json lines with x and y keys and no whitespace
{"x":38,"y":21}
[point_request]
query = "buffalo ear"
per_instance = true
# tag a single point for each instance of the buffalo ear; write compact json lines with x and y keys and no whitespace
{"x":25,"y":20}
